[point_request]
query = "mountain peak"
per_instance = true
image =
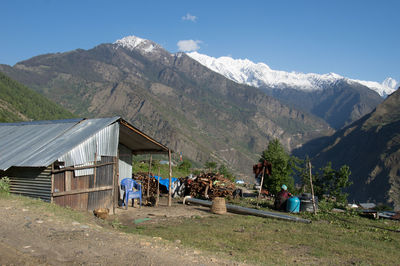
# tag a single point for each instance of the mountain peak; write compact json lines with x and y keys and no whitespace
{"x":133,"y":42}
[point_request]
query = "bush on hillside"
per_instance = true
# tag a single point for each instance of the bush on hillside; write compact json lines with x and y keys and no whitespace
{"x":5,"y":185}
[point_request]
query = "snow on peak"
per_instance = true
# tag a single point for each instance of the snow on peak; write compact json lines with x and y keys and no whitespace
{"x":261,"y":75}
{"x":133,"y":42}
{"x":387,"y":87}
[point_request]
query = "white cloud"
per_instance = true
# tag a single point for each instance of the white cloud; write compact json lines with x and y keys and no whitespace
{"x":188,"y":45}
{"x":189,"y":17}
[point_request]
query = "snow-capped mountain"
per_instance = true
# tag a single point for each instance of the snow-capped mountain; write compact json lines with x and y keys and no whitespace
{"x":387,"y":87}
{"x":336,"y":99}
{"x":261,"y":75}
{"x":138,"y":44}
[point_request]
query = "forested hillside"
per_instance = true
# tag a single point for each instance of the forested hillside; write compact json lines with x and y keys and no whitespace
{"x":19,"y":103}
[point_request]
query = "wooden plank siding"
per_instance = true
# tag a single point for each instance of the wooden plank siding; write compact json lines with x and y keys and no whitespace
{"x":85,"y":192}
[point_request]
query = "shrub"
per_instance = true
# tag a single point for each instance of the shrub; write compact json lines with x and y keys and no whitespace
{"x":185,"y":165}
{"x":5,"y":185}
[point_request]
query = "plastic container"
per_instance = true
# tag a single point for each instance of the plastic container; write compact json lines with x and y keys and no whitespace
{"x":306,"y":204}
{"x":293,"y":205}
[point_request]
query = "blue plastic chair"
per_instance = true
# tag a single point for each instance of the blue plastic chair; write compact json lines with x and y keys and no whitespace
{"x":127,"y":185}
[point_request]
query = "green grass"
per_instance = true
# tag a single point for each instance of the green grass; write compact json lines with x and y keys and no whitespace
{"x":329,"y":239}
{"x":43,"y":207}
{"x":332,"y":238}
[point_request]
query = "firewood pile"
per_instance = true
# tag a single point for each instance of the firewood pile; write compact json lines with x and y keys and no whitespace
{"x":205,"y":186}
{"x":209,"y":186}
{"x":143,"y":179}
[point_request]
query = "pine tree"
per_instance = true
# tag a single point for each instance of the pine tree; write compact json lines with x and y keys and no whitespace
{"x":282,"y":167}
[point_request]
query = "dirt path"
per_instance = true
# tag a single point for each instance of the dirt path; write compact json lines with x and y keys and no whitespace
{"x":36,"y":236}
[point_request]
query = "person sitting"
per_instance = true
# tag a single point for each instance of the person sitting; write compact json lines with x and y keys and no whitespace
{"x":281,"y":198}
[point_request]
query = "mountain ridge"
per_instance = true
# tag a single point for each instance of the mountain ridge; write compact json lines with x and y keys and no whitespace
{"x":370,"y":146}
{"x":313,"y":93}
{"x":260,"y":75}
{"x":173,"y":98}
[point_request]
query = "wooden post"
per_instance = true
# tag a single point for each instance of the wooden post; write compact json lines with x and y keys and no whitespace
{"x":261,"y":185}
{"x":94,"y":169}
{"x":170,"y":179}
{"x":158,"y":187}
{"x":312,"y":188}
{"x":68,"y":176}
{"x":148,"y":179}
{"x":262,"y":181}
{"x":52,"y":182}
{"x":114,"y":192}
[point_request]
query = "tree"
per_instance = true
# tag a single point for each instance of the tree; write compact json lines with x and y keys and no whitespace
{"x":210,"y":165}
{"x":185,"y":165}
{"x":282,"y":167}
{"x":224,"y":171}
{"x":335,"y":181}
{"x":329,"y":182}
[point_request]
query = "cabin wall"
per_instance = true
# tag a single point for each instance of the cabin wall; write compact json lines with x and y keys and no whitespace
{"x":86,"y":192}
{"x":124,"y":165}
{"x":30,"y":181}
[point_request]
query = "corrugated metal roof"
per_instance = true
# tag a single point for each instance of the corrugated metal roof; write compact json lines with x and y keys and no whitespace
{"x":40,"y":143}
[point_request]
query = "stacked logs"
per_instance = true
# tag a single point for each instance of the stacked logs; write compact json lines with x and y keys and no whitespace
{"x":209,"y":186}
{"x":143,"y":179}
{"x":205,"y":185}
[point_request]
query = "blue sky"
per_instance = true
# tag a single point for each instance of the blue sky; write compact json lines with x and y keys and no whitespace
{"x":359,"y":39}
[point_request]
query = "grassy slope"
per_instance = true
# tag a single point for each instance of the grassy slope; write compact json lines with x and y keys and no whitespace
{"x":330,"y":239}
{"x":18,"y":103}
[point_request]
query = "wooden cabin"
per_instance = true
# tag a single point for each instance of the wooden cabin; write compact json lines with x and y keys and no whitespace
{"x":76,"y":162}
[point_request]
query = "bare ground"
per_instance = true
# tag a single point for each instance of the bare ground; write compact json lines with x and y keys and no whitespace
{"x":37,"y":236}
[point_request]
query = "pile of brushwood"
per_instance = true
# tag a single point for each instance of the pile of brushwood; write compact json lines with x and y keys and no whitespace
{"x":209,"y":186}
{"x":204,"y":186}
{"x":145,"y":181}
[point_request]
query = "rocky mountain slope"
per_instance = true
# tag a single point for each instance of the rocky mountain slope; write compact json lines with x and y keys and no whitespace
{"x":336,"y":99}
{"x":171,"y":97}
{"x":19,"y":103}
{"x":371,"y":148}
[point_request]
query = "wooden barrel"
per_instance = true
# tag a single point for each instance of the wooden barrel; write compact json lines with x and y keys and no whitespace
{"x":218,"y":206}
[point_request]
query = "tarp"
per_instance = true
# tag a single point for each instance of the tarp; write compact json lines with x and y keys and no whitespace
{"x":165,"y":182}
